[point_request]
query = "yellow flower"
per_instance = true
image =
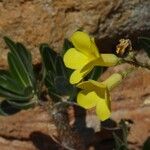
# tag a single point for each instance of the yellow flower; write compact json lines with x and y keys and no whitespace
{"x":96,"y":94}
{"x":84,"y":56}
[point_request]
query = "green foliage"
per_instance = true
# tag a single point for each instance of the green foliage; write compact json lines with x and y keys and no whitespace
{"x":145,"y":43}
{"x":67,"y":44}
{"x":17,"y":85}
{"x":55,"y":74}
{"x":146,"y":145}
{"x":121,"y":143}
{"x":96,"y":72}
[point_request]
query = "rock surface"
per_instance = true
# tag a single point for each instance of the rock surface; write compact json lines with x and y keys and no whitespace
{"x":131,"y":101}
{"x":36,"y":21}
{"x":32,"y":129}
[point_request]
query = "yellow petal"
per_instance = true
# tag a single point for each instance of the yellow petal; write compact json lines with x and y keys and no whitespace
{"x":83,"y":43}
{"x":106,"y":60}
{"x":74,"y":59}
{"x":103,"y":110}
{"x":91,"y":85}
{"x":113,"y":81}
{"x":87,"y":99}
{"x":77,"y":75}
{"x":94,"y":48}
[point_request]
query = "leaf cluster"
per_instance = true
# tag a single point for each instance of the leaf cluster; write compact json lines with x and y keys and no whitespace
{"x":17,"y":85}
{"x":55,"y":74}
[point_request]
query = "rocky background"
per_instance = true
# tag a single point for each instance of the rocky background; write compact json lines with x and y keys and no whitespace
{"x":38,"y":21}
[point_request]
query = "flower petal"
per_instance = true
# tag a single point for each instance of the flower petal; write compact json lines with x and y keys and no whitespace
{"x":107,"y":60}
{"x":77,"y":75}
{"x":91,"y":85}
{"x":84,"y":43}
{"x":74,"y":59}
{"x":113,"y":81}
{"x":87,"y":99}
{"x":103,"y":110}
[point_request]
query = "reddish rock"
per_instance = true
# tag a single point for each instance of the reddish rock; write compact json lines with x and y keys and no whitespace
{"x":128,"y":102}
{"x":33,"y":22}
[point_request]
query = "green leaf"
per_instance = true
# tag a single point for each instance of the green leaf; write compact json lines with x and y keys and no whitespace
{"x":11,"y":45}
{"x":18,"y":71}
{"x":10,"y":95}
{"x":125,"y":131}
{"x":60,"y":67}
{"x":28,"y":91}
{"x":121,"y":143}
{"x":48,"y":57}
{"x":19,"y":56}
{"x":96,"y":73}
{"x":2,"y":112}
{"x":49,"y":79}
{"x":73,"y":94}
{"x":118,"y":142}
{"x":18,"y":85}
{"x":23,"y":105}
{"x":146,"y":145}
{"x":6,"y":82}
{"x":67,"y":45}
{"x":63,"y":86}
{"x":24,"y":54}
{"x":145,"y":42}
{"x":26,"y":58}
{"x":55,"y":97}
{"x":7,"y":109}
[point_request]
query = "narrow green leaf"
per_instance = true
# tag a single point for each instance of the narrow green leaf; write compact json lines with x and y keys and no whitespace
{"x":24,"y":54}
{"x":146,"y":145}
{"x":62,"y":85}
{"x":8,"y":94}
{"x":11,"y":45}
{"x":60,"y":67}
{"x":18,"y":71}
{"x":18,"y":55}
{"x":2,"y":112}
{"x":6,"y":82}
{"x":55,"y":97}
{"x":67,"y":45}
{"x":7,"y":109}
{"x":96,"y":73}
{"x":73,"y":94}
{"x":26,"y":58}
{"x":118,"y":142}
{"x":49,"y":79}
{"x":28,"y":91}
{"x":23,"y":105}
{"x":48,"y":57}
{"x":49,"y":82}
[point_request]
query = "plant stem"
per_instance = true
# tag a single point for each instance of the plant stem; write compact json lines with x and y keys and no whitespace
{"x":137,"y":63}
